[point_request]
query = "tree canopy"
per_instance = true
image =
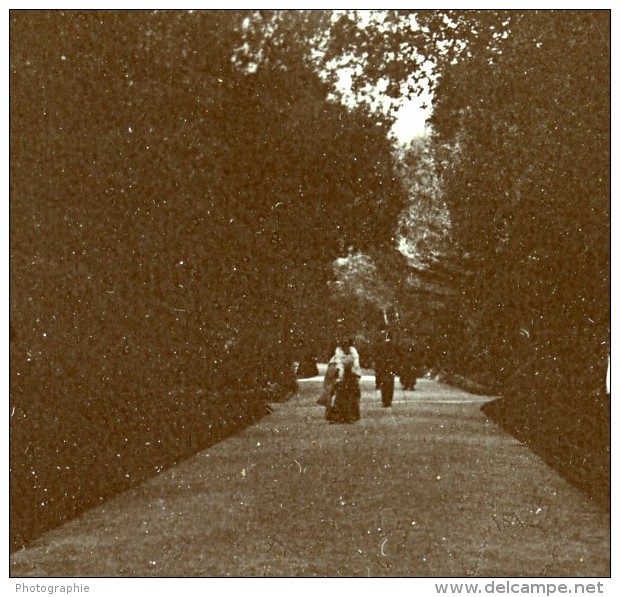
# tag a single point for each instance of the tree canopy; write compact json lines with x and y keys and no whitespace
{"x":528,"y":191}
{"x":508,"y":210}
{"x":167,"y":202}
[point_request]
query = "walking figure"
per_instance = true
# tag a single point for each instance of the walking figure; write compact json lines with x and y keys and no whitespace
{"x":346,"y":407}
{"x":386,"y":367}
{"x":333,"y":373}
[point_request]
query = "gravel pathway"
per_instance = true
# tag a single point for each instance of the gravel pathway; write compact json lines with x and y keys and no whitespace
{"x":427,"y":488}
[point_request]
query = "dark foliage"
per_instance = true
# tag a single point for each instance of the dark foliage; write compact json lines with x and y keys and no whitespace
{"x":172,"y":219}
{"x":530,"y":200}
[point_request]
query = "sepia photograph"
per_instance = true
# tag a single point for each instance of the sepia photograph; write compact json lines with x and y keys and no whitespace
{"x":310,"y":293}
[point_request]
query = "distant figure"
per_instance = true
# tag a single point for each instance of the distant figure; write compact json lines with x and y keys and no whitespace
{"x":333,"y":373}
{"x":409,"y":368}
{"x":346,"y":407}
{"x":386,"y":366}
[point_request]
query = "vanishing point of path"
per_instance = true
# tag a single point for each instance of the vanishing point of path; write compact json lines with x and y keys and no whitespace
{"x":427,"y":488}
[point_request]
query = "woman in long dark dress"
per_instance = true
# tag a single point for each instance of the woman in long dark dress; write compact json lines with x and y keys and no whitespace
{"x":346,"y":407}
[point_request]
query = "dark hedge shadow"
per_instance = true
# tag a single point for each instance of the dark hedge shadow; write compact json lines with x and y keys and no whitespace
{"x":573,"y":438}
